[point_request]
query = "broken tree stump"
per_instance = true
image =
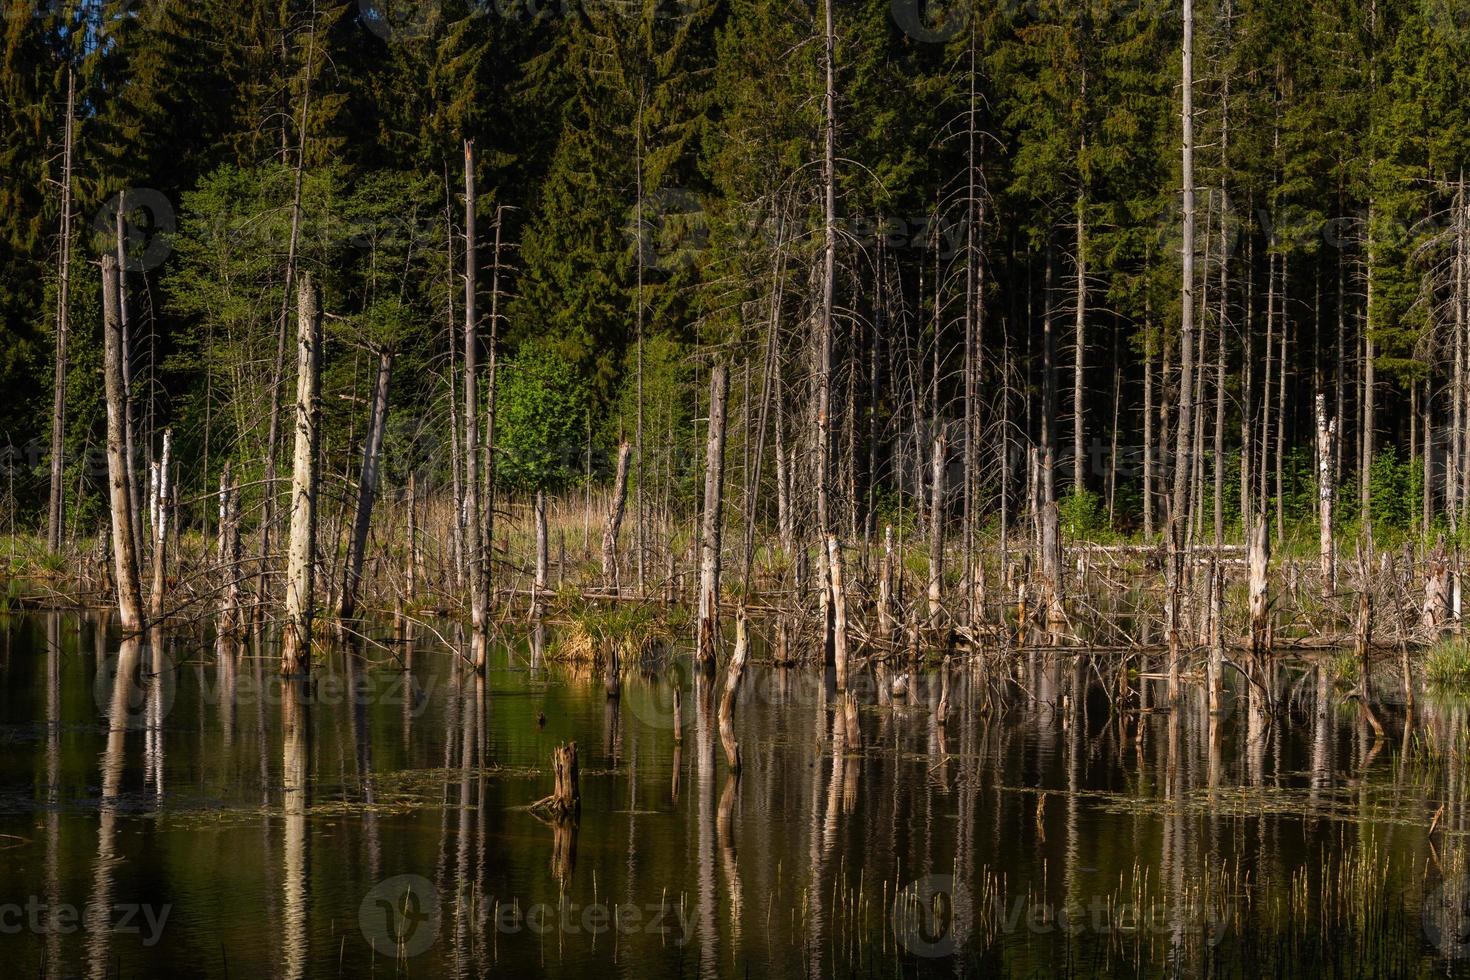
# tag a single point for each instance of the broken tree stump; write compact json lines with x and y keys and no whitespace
{"x":734,"y":674}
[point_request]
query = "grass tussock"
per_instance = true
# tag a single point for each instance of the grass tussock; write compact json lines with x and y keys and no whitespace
{"x":636,"y":632}
{"x":1447,"y":665}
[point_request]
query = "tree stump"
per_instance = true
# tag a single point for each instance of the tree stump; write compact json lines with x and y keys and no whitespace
{"x":566,"y":794}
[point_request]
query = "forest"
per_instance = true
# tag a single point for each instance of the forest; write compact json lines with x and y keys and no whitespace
{"x":415,"y":407}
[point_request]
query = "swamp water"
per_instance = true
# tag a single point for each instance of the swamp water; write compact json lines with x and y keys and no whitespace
{"x":177,"y":812}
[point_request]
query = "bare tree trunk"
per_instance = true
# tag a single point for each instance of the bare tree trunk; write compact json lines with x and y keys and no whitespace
{"x":936,"y":532}
{"x":273,"y":436}
{"x":413,"y":537}
{"x":56,"y":516}
{"x":1184,"y":433}
{"x":367,"y":487}
{"x":615,"y":518}
{"x":1259,"y":558}
{"x":229,"y":553}
{"x":885,"y":589}
{"x":301,"y":564}
{"x":839,"y":611}
{"x":125,"y":557}
{"x":543,"y":549}
{"x":1365,"y":474}
{"x":714,"y":499}
{"x":734,"y":674}
{"x":823,"y":433}
{"x":1148,"y":432}
{"x":1326,"y":494}
{"x":127,"y":359}
{"x":1079,"y":359}
{"x":160,"y":530}
{"x":1284,"y":366}
{"x":474,"y":519}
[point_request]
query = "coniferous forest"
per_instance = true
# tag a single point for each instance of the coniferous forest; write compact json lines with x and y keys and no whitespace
{"x":1100,"y":364}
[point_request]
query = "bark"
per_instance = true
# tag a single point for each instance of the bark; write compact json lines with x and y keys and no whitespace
{"x":566,"y":794}
{"x":56,"y":516}
{"x":839,"y":611}
{"x":1258,"y":559}
{"x":734,"y":674}
{"x":163,"y":511}
{"x":301,"y":562}
{"x":474,"y":521}
{"x":1326,"y":494}
{"x":543,"y":549}
{"x":124,"y":535}
{"x":714,"y":499}
{"x":1436,"y":591}
{"x":130,"y":430}
{"x":1079,"y":476}
{"x":229,"y":553}
{"x":615,"y":518}
{"x":936,"y":532}
{"x":885,"y":589}
{"x":1185,"y":430}
{"x":367,"y":487}
{"x":823,"y":433}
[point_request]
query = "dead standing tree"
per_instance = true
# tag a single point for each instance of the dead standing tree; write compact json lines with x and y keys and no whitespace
{"x":301,"y":560}
{"x":162,"y":511}
{"x":709,"y":538}
{"x":124,"y":535}
{"x":367,"y":487}
{"x":735,"y":673}
{"x":615,"y":518}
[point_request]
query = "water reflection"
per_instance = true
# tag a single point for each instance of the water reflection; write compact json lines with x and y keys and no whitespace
{"x":1054,"y":830}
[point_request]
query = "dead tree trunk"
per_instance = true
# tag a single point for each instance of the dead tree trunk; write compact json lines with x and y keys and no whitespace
{"x":413,"y":538}
{"x":1260,"y":587}
{"x":714,"y":496}
{"x":543,"y":552}
{"x":1051,"y":567}
{"x":566,"y":792}
{"x":474,"y":521}
{"x":229,"y":553}
{"x":56,"y":517}
{"x":1326,"y":439}
{"x":734,"y":674}
{"x":162,"y":513}
{"x":936,"y":533}
{"x":301,"y":556}
{"x":615,"y":518}
{"x":367,"y":488}
{"x":1436,"y":591}
{"x":839,"y":611}
{"x":885,"y":588}
{"x":124,"y":536}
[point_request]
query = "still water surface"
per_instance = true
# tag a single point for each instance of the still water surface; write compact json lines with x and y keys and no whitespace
{"x":172,"y":811}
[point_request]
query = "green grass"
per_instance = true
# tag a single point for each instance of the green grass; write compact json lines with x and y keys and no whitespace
{"x":1447,"y":664}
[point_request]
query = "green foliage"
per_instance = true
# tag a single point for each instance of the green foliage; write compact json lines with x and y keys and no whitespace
{"x":1447,"y":664}
{"x":1081,"y":514}
{"x":540,"y":420}
{"x":1396,"y":490}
